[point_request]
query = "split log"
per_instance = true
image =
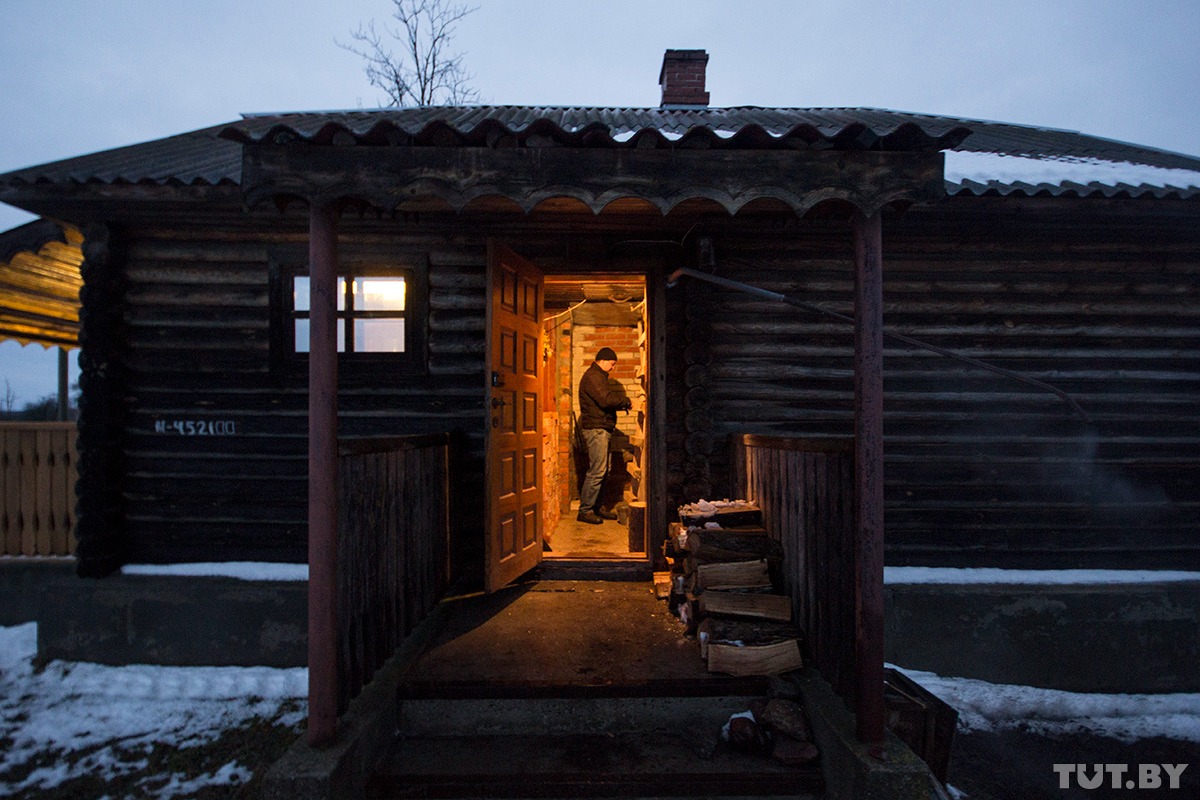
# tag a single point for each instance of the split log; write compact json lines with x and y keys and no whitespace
{"x":733,"y":575}
{"x":663,"y":583}
{"x":786,"y":717}
{"x":637,"y":527}
{"x":767,"y":659}
{"x":708,"y":545}
{"x":743,"y":631}
{"x":758,"y":605}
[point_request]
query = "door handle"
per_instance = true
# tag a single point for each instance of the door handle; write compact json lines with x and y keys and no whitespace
{"x":497,"y":402}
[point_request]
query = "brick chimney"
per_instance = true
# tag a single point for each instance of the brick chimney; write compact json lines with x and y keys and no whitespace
{"x":682,"y":79}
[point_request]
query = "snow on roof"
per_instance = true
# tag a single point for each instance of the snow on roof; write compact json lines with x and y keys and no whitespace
{"x":1010,"y":169}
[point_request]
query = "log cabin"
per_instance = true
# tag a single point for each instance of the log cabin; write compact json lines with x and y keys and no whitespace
{"x":194,"y":313}
{"x":255,"y":292}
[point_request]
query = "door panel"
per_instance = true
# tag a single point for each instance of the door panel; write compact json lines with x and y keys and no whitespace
{"x":514,"y":445}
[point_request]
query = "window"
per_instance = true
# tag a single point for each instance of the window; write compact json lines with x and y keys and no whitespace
{"x":370,"y":313}
{"x":380,"y":320}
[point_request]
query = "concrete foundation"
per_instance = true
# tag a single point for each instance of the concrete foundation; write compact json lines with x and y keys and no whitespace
{"x":174,"y":620}
{"x":853,"y":770}
{"x":1132,"y":638}
{"x":1089,"y":638}
{"x":21,"y":583}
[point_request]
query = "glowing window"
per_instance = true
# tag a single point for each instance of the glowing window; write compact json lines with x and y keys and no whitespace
{"x":370,"y":313}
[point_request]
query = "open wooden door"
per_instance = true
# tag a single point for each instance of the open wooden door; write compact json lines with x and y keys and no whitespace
{"x":514,"y":444}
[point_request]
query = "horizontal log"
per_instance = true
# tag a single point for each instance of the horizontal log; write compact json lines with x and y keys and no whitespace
{"x":746,"y":631}
{"x":777,"y":607}
{"x":769,"y":659}
{"x":733,"y":575}
{"x":711,"y":545}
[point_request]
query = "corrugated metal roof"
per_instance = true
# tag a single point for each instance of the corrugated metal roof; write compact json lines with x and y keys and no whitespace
{"x":212,"y":156}
{"x":736,"y":128}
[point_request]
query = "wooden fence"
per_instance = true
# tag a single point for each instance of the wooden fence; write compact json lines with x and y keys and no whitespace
{"x":38,"y":469}
{"x":393,"y":547}
{"x":805,"y":488}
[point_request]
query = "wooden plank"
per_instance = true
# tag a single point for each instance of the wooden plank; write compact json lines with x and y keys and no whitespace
{"x":44,"y":491}
{"x":27,"y":456}
{"x":65,"y":476}
{"x":868,"y":179}
{"x":10,"y":439}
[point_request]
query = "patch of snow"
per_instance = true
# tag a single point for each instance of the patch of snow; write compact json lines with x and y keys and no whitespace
{"x":623,"y":136}
{"x":90,"y":718}
{"x":984,"y":706}
{"x":243,"y":570}
{"x":984,"y":167}
{"x":1051,"y":577}
{"x":230,"y":774}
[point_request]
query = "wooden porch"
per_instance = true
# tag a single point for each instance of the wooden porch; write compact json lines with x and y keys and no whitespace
{"x":581,"y":688}
{"x":571,"y":689}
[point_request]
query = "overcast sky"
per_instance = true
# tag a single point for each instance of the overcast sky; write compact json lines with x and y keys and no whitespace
{"x":85,"y":75}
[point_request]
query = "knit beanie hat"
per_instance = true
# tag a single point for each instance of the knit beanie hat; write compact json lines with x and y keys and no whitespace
{"x":606,"y":354}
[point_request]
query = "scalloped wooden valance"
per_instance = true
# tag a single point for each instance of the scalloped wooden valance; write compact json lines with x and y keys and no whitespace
{"x":386,"y":177}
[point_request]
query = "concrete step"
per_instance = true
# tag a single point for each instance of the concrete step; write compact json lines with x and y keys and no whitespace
{"x":581,"y":746}
{"x":581,"y":765}
{"x":422,"y":718}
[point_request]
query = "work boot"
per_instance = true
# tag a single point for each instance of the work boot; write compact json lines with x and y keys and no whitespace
{"x":602,"y":514}
{"x":589,"y":517}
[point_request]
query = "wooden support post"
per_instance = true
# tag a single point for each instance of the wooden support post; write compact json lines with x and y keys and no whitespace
{"x":322,"y":476}
{"x":868,"y":489}
{"x":64,"y":399}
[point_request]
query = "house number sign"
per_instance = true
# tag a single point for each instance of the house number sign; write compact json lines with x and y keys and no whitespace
{"x":196,"y":427}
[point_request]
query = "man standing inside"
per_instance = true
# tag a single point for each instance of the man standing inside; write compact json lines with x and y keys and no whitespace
{"x":599,"y":402}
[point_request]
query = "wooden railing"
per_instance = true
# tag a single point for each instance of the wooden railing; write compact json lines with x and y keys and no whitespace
{"x":38,"y":469}
{"x":805,"y":488}
{"x":393,"y":547}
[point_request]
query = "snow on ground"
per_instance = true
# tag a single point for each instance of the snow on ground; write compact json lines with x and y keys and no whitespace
{"x":91,"y":717}
{"x":94,"y":716}
{"x":984,"y":706}
{"x":1037,"y":577}
{"x":984,"y":167}
{"x":243,"y":570}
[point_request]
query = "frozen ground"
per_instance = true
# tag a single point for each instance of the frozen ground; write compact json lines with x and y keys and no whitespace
{"x":87,"y":731}
{"x":73,"y":721}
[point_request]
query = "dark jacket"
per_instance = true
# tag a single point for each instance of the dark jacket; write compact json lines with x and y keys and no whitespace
{"x":599,"y":399}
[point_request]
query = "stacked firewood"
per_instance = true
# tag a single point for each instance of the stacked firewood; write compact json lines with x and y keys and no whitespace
{"x":724,"y":584}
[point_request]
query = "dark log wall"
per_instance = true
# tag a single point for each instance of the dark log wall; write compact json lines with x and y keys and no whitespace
{"x":1104,"y":305}
{"x":197,"y":341}
{"x":1098,"y":298}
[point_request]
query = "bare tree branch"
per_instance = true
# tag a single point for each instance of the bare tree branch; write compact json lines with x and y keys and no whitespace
{"x":421,"y":71}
